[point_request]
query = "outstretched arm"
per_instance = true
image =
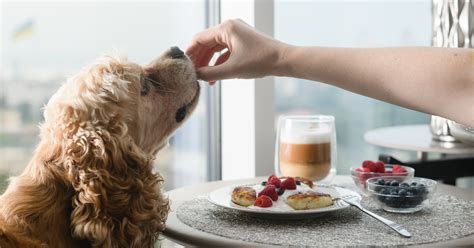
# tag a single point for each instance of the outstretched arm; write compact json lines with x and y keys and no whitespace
{"x":438,"y":81}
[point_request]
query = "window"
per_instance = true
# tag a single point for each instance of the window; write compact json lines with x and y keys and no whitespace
{"x":349,"y":24}
{"x":44,"y":42}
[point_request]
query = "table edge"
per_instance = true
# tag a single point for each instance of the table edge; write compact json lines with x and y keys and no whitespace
{"x":193,"y":237}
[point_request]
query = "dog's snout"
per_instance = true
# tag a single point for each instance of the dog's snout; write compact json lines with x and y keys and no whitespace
{"x":176,"y":53}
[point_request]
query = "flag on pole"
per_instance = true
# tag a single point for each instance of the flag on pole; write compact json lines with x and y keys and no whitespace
{"x":24,"y":31}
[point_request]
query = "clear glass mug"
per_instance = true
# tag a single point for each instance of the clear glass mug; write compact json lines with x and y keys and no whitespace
{"x":306,"y":147}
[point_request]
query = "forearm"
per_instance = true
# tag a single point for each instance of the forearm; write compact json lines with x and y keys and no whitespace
{"x":432,"y":80}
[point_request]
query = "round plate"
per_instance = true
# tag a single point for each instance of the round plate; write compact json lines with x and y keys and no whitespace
{"x":222,"y":197}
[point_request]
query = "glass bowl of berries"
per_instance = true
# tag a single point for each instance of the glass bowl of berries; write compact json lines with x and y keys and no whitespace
{"x":372,"y":169}
{"x":400,"y":194}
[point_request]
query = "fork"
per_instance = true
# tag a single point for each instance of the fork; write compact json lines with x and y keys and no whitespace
{"x":355,"y":201}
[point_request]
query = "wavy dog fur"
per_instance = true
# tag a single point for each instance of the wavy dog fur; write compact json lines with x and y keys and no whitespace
{"x":91,"y":181}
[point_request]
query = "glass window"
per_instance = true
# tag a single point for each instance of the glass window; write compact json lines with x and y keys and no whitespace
{"x":44,"y":42}
{"x":349,"y":24}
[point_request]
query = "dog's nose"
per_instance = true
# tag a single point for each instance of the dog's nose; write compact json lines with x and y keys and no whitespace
{"x":176,"y":53}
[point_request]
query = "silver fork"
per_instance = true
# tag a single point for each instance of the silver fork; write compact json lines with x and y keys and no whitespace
{"x":355,"y":201}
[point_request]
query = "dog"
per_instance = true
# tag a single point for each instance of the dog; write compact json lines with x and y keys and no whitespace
{"x":91,"y":181}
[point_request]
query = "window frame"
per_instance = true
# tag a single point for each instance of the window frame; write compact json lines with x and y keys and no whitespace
{"x":214,"y":148}
{"x":247,"y":105}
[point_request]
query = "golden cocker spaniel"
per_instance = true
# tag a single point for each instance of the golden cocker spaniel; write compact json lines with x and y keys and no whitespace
{"x":91,"y":181}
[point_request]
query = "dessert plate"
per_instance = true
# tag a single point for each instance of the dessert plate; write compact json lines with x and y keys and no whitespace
{"x":222,"y":197}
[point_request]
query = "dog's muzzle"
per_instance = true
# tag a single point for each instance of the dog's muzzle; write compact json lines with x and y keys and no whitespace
{"x":183,"y":111}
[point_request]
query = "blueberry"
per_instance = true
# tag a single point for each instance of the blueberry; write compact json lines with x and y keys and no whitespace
{"x":264,"y":183}
{"x":402,"y":192}
{"x":392,"y":201}
{"x":417,"y":200}
{"x":377,"y":188}
{"x":383,"y":194}
{"x":413,"y":184}
{"x":421,"y":189}
{"x":399,"y":202}
{"x":387,"y":183}
{"x":394,"y":183}
{"x":280,"y":191}
{"x":384,"y":191}
{"x":381,"y":182}
{"x":298,"y":183}
{"x":410,"y":200}
{"x":413,"y":190}
{"x":393,"y":192}
{"x":404,"y":185}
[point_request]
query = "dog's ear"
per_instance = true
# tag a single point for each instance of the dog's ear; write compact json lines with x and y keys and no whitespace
{"x":116,"y":195}
{"x":117,"y":200}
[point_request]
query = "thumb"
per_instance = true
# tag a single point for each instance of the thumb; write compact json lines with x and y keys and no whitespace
{"x":213,"y":73}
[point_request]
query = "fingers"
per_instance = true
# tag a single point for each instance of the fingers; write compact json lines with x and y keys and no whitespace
{"x":210,"y":37}
{"x":217,"y":72}
{"x":206,"y":43}
{"x":203,"y":58}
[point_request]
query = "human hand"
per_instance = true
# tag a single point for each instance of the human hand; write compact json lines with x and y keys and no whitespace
{"x":248,"y":53}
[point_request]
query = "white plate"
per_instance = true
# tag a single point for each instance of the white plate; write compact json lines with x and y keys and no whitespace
{"x":222,"y":197}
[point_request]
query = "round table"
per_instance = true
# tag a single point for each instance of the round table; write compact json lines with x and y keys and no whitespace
{"x":188,"y":236}
{"x":414,"y":138}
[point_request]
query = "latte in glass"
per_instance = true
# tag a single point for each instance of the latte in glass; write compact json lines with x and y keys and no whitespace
{"x":306,"y":154}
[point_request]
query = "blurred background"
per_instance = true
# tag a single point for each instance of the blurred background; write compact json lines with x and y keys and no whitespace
{"x":349,"y":24}
{"x":42,"y":43}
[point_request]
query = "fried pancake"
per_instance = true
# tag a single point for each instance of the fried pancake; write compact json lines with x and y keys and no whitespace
{"x":244,"y":196}
{"x":309,"y":200}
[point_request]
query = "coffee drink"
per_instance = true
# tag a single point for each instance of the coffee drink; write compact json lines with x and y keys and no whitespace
{"x":306,"y":154}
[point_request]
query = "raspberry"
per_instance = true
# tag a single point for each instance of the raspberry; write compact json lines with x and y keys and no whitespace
{"x":273,"y":180}
{"x":269,"y":191}
{"x":370,"y":165}
{"x":367,"y":164}
{"x":263,"y":201}
{"x":289,"y":183}
{"x":379,"y":167}
{"x":398,"y":169}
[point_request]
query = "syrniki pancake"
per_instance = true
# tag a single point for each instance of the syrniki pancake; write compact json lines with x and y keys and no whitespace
{"x":309,"y":200}
{"x":244,"y":196}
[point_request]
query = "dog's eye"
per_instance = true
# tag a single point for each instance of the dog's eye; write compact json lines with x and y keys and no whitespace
{"x":180,"y":114}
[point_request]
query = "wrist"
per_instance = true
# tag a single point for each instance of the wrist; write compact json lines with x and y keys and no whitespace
{"x":282,"y":66}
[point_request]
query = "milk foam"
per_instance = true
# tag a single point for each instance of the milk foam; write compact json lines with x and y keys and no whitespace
{"x":308,"y":136}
